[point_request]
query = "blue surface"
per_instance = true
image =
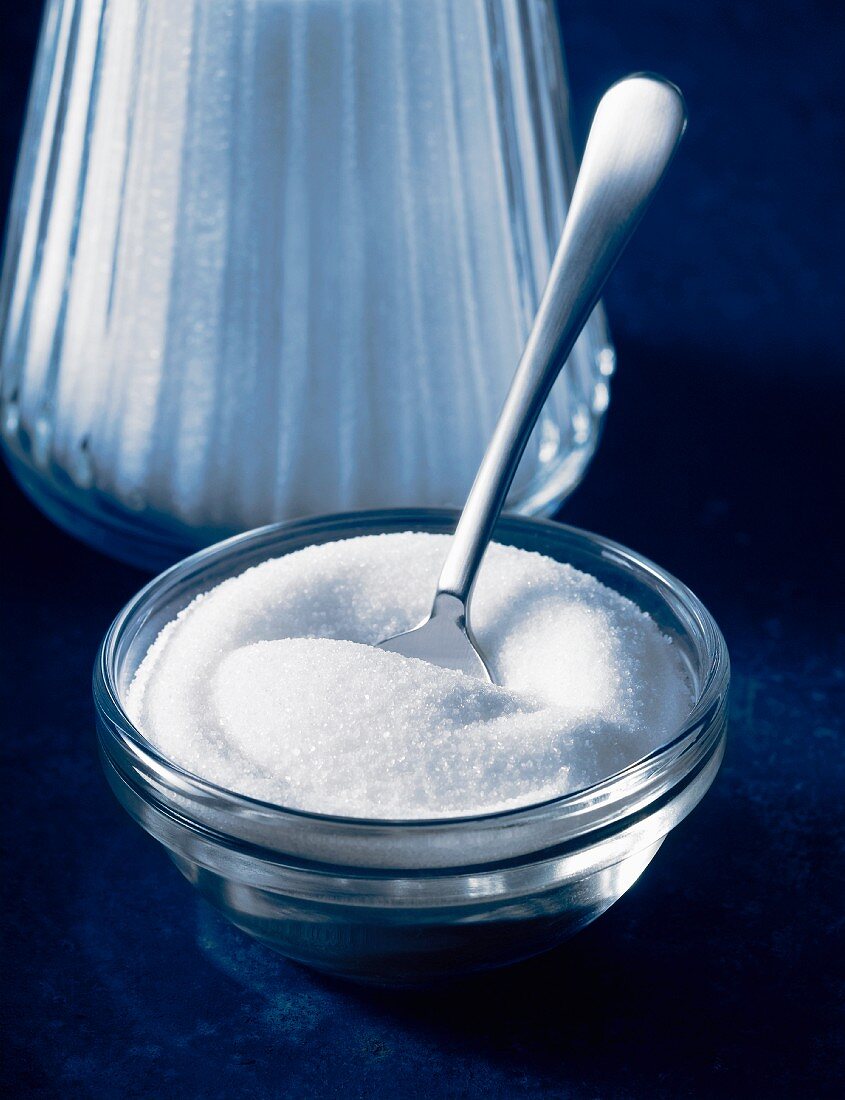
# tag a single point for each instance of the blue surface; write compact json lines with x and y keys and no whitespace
{"x":720,"y":973}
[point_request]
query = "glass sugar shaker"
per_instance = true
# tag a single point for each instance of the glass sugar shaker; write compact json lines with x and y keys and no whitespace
{"x":271,"y":258}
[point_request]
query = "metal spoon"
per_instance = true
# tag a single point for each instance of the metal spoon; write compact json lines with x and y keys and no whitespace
{"x":635,"y":131}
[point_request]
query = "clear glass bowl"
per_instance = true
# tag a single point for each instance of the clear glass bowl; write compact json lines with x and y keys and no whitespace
{"x":409,"y":902}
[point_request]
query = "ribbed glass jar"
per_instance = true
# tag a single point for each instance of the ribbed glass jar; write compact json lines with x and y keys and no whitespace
{"x":268,"y":258}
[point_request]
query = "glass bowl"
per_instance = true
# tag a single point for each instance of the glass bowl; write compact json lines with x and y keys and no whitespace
{"x":414,"y":902}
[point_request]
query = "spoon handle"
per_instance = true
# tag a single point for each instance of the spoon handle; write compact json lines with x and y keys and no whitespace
{"x":635,"y":131}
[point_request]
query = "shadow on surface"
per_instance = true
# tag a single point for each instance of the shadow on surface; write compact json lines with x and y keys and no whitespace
{"x":705,"y":973}
{"x":654,"y":984}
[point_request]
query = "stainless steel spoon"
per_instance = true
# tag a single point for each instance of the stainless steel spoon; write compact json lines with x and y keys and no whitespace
{"x":635,"y":131}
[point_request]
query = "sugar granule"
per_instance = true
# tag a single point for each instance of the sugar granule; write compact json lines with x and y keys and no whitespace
{"x":270,"y":685}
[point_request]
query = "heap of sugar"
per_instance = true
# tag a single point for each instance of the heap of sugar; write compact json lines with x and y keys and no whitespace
{"x":270,"y":684}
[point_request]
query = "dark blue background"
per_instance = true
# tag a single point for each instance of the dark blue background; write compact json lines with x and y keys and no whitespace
{"x":720,"y":973}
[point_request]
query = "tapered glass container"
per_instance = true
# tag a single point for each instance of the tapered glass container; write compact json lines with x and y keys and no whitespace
{"x":268,"y":258}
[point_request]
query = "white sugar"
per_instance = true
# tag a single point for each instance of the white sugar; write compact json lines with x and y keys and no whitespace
{"x":269,"y":684}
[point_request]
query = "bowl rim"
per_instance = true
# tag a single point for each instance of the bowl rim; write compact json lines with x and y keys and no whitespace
{"x":700,"y":730}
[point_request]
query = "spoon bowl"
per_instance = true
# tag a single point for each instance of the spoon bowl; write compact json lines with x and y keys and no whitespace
{"x":443,"y":639}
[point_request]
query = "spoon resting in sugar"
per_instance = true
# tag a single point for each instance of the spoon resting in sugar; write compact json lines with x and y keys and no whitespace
{"x":635,"y":132}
